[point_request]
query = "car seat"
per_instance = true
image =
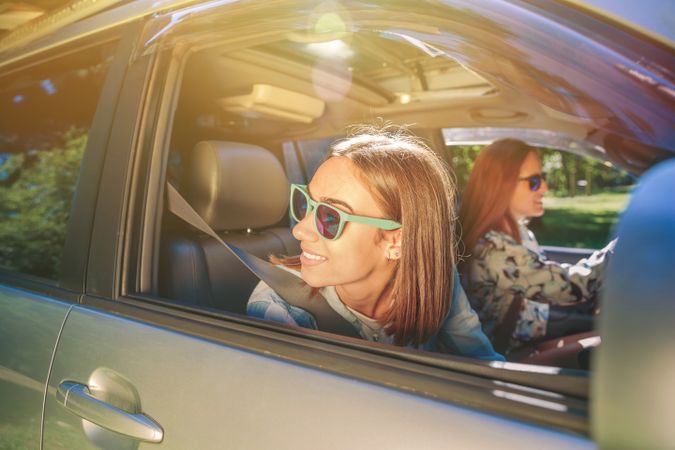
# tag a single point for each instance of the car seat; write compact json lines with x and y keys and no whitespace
{"x":241,"y":191}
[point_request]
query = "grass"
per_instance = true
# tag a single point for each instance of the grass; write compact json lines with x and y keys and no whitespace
{"x":581,"y":221}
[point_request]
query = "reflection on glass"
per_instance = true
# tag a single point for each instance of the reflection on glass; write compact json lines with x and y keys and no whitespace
{"x":525,"y":367}
{"x":527,"y":389}
{"x":45,"y":115}
{"x":530,"y":400}
{"x":48,"y":86}
{"x":336,"y":48}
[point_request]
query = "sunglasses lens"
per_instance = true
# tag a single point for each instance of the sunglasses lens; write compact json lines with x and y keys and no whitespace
{"x":299,"y":205}
{"x":535,"y":181}
{"x":327,"y":221}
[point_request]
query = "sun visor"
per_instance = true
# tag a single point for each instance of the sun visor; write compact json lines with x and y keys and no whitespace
{"x":272,"y":102}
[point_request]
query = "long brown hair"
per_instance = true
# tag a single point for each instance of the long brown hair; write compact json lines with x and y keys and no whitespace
{"x":412,"y":186}
{"x":487,"y":196}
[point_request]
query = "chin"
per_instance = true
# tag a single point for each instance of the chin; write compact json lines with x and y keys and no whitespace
{"x":538,"y":212}
{"x":312,"y":279}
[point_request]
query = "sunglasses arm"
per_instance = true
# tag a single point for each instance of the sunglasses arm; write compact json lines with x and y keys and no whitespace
{"x":372,"y":221}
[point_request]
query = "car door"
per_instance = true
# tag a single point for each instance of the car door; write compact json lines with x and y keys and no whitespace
{"x":29,"y":328}
{"x":45,"y":220}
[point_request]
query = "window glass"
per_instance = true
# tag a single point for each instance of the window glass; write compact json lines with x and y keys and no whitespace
{"x":290,"y":96}
{"x":302,"y":158}
{"x":45,"y":114}
{"x":314,"y":152}
{"x":584,"y":200}
{"x":584,"y":197}
{"x":292,"y":162}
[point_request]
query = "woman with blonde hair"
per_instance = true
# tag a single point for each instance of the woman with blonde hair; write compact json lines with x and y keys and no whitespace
{"x":509,"y":281}
{"x":376,"y":232}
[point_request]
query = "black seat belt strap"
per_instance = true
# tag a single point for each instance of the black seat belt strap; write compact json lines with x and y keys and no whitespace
{"x":289,"y":287}
{"x":503,"y":332}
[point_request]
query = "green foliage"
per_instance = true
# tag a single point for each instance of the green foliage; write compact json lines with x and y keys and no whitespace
{"x":576,"y":216}
{"x":461,"y":159}
{"x":35,"y":201}
{"x":563,"y":170}
{"x":584,"y":221}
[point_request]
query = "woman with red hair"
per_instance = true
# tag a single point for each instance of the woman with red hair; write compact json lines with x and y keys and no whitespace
{"x":509,"y":281}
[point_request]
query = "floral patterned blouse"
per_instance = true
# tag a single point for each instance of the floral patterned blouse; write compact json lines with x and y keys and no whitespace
{"x":500,"y":268}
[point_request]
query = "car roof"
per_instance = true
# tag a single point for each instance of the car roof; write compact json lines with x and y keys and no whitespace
{"x":562,"y":67}
{"x":653,"y":17}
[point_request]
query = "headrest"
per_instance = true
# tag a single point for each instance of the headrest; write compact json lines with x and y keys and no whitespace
{"x":235,"y":186}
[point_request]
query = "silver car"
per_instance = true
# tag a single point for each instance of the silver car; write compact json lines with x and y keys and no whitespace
{"x":122,"y":327}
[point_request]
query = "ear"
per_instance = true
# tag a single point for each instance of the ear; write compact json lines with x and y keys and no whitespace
{"x":392,"y":246}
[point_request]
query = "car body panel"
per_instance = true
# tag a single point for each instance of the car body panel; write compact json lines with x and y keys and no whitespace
{"x":207,"y":395}
{"x":29,"y":329}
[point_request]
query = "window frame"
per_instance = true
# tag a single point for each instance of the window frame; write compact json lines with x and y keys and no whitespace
{"x":70,"y":279}
{"x":451,"y":379}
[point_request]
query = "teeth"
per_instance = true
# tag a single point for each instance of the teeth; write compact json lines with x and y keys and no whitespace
{"x":313,"y":257}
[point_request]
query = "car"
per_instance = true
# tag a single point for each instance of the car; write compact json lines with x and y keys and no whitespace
{"x":124,"y":327}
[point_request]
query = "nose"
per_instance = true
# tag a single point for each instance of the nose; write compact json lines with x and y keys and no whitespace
{"x":304,"y":230}
{"x":544,"y":187}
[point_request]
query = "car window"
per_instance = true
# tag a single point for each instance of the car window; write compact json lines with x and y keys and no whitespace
{"x":584,"y":199}
{"x":284,"y":99}
{"x":45,"y":114}
{"x":310,"y":154}
{"x":239,"y":106}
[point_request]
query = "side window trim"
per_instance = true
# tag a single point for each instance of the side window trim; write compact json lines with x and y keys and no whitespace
{"x":61,"y":84}
{"x":84,"y":203}
{"x":131,"y":131}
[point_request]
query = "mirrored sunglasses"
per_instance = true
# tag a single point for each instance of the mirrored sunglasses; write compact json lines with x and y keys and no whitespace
{"x":534,"y":181}
{"x":329,"y":221}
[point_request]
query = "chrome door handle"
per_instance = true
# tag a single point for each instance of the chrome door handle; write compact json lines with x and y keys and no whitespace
{"x":77,"y":399}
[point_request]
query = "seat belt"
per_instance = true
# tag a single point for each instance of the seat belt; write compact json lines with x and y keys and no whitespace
{"x":291,"y":288}
{"x":504,"y":330}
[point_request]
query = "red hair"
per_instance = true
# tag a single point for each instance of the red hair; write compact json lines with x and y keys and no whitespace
{"x":486,"y":199}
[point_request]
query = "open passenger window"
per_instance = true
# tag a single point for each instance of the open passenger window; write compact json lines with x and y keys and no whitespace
{"x":252,"y":115}
{"x":242,"y":110}
{"x":250,"y":111}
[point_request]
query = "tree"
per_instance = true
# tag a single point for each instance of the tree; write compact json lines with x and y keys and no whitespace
{"x":35,"y":202}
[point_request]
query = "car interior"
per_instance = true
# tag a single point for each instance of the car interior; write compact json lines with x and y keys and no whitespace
{"x":250,"y":117}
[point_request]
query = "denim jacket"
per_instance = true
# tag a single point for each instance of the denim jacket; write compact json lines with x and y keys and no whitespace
{"x":459,"y":334}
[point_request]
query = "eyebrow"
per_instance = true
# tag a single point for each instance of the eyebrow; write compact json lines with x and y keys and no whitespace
{"x":332,"y":201}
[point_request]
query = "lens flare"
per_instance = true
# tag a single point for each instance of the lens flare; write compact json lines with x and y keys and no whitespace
{"x":331,"y":79}
{"x":330,"y":23}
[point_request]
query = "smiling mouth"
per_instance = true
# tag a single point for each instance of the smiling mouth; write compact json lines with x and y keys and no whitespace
{"x":313,"y":257}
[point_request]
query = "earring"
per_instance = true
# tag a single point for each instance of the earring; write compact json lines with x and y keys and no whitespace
{"x":393,"y":254}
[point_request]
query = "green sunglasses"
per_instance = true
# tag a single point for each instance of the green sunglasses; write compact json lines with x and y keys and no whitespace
{"x":328,"y":220}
